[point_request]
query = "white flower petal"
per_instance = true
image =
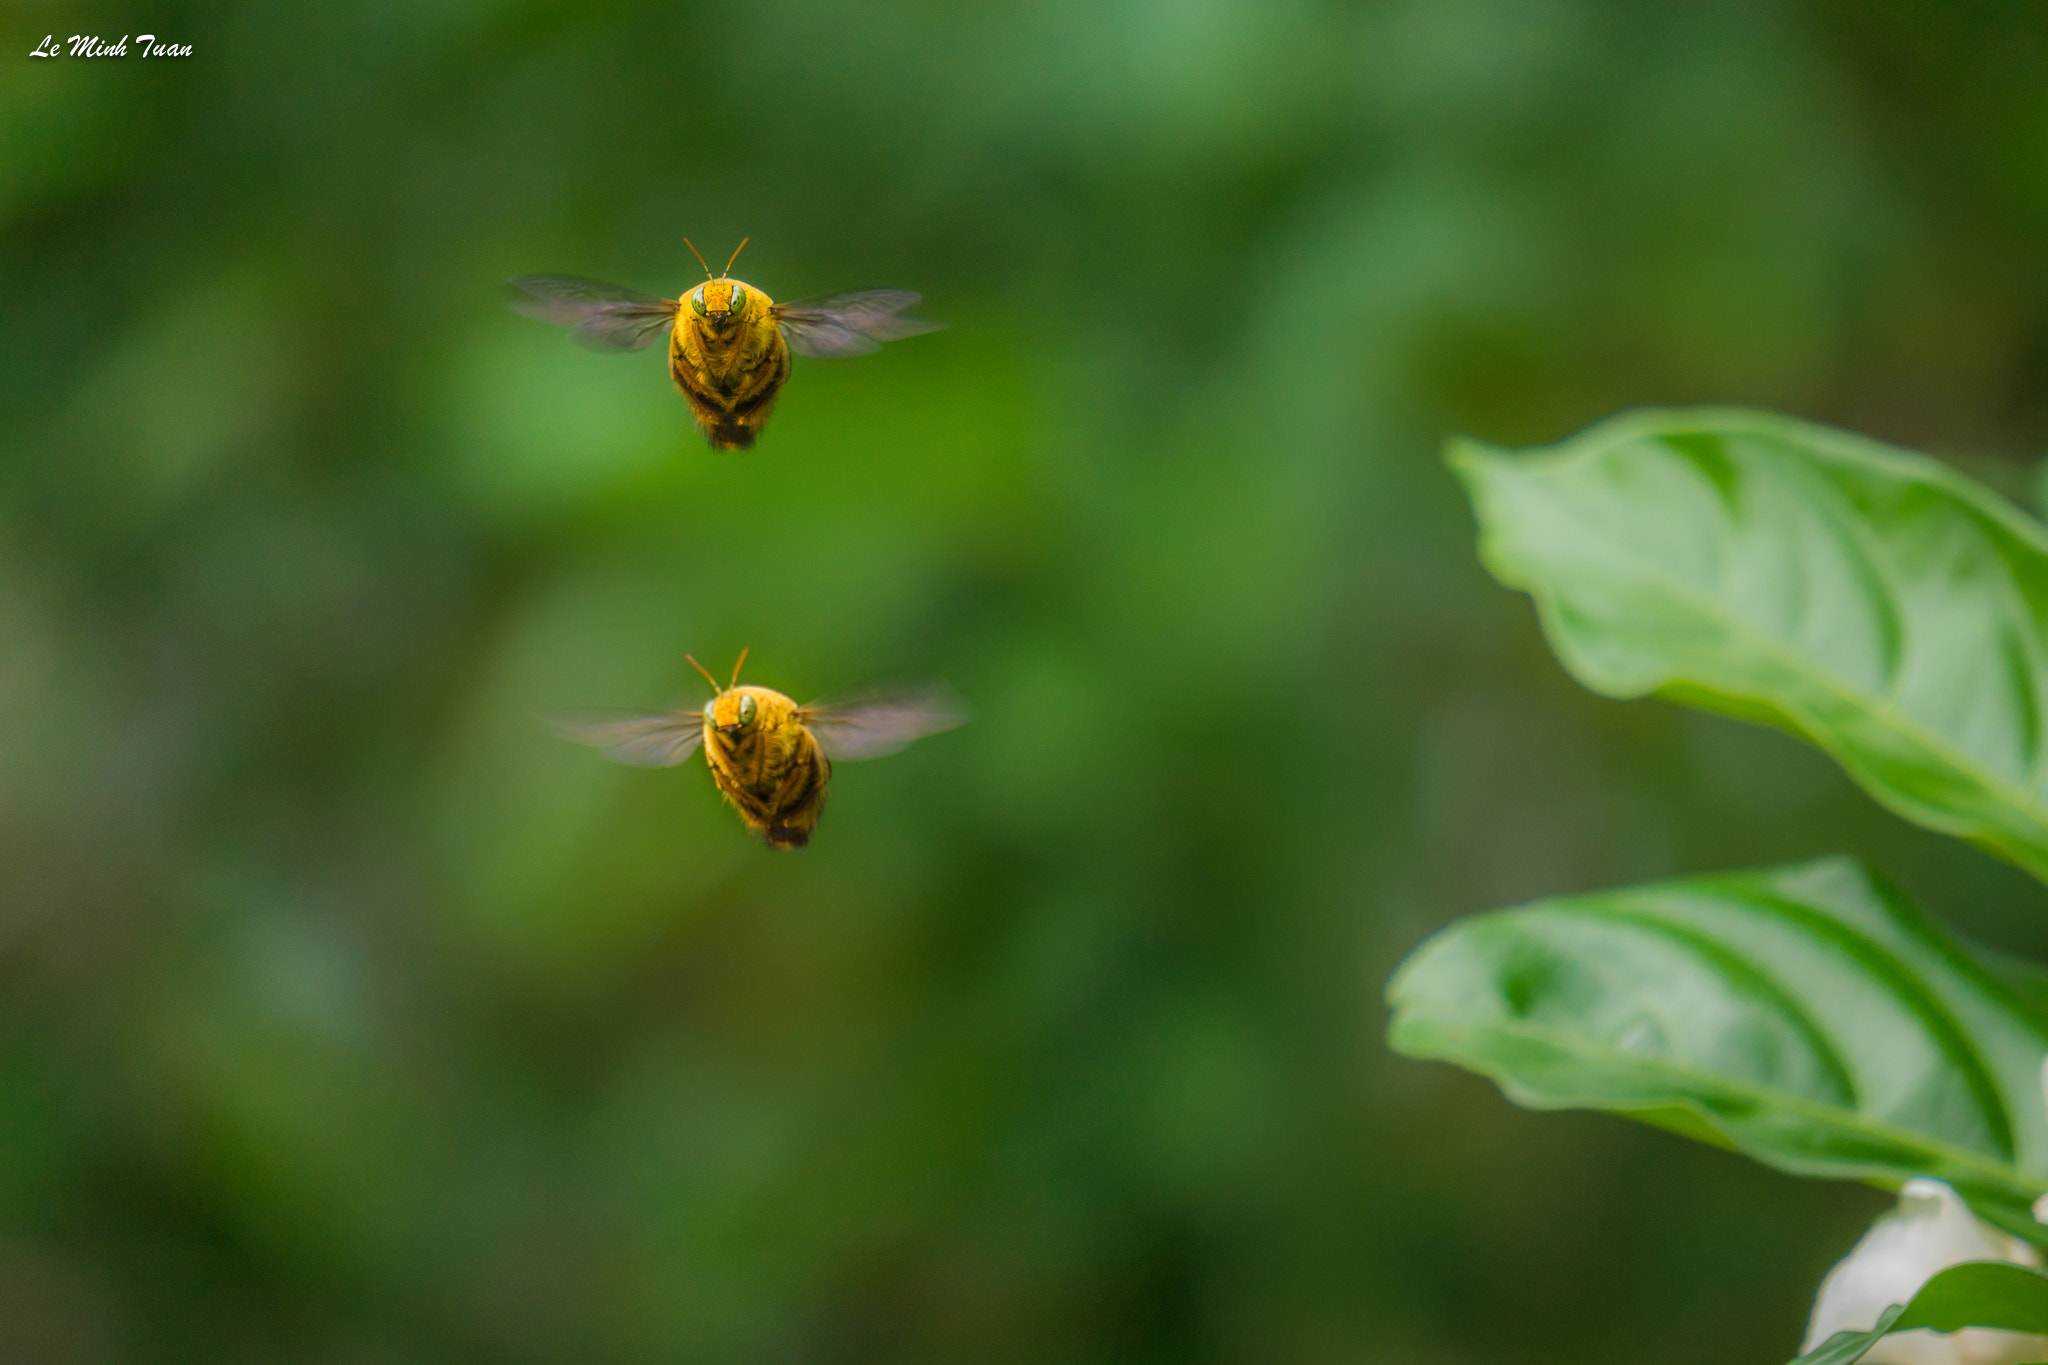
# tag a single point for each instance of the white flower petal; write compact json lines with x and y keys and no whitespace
{"x":1930,"y":1230}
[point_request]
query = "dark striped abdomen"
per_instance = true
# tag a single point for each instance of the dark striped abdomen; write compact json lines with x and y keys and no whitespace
{"x":779,"y":794}
{"x":730,"y":389}
{"x":802,"y":800}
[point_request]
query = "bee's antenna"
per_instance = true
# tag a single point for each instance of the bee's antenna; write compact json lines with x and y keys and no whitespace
{"x":736,"y":253}
{"x":707,"y":672}
{"x":707,"y":269}
{"x":736,"y":667}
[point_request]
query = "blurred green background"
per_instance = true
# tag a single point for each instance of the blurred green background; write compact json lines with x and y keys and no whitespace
{"x":346,"y":1015}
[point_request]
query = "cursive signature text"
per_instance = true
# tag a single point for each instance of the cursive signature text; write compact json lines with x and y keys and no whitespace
{"x":81,"y":45}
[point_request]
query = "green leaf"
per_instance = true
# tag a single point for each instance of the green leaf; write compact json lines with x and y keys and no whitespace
{"x":1974,"y":1294}
{"x":1874,"y":601}
{"x":1980,"y":1294}
{"x":1806,"y":1016}
{"x":1845,"y":1348}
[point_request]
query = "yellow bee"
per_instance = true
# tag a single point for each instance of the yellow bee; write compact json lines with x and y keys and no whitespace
{"x":771,"y":757}
{"x":729,"y":350}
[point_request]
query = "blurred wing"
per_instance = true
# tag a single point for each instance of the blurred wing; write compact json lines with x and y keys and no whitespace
{"x":873,"y":726}
{"x":659,"y":739}
{"x":606,"y":317}
{"x":849,"y":324}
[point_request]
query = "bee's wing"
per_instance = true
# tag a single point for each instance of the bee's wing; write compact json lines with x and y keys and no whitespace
{"x":606,"y":317}
{"x":849,"y":324}
{"x":869,"y":727}
{"x":653,"y":739}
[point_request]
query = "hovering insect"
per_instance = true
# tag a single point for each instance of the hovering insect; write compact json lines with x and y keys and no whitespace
{"x":728,"y":351}
{"x":771,"y":757}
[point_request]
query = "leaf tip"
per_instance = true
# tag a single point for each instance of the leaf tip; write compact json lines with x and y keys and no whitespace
{"x":1467,"y":455}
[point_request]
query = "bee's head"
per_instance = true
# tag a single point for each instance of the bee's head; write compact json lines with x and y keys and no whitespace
{"x":731,"y":712}
{"x":719,"y":301}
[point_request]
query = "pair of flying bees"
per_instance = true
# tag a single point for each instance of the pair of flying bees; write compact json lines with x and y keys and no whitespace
{"x":729,"y":349}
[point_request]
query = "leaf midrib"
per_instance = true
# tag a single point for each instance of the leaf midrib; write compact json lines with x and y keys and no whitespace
{"x":1574,"y":1044}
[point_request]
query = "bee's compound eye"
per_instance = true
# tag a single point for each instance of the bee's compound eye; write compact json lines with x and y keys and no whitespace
{"x":746,"y":710}
{"x":697,"y":301}
{"x":739,"y":298}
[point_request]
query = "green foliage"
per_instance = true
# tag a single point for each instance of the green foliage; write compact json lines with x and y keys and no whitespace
{"x":1973,"y":1294}
{"x":1893,"y":613}
{"x":1846,"y":1348}
{"x":1807,"y":1016}
{"x":1873,"y":601}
